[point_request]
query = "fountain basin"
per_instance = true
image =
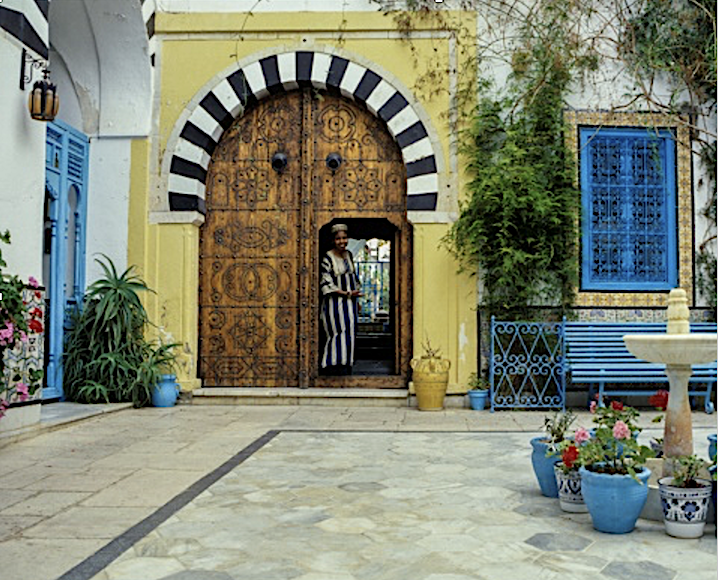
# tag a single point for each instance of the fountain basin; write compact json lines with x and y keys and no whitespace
{"x":673,"y":349}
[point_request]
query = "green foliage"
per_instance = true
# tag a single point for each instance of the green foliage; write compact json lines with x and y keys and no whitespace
{"x":676,"y":39}
{"x":604,"y":453}
{"x":107,"y":358}
{"x":687,"y":469}
{"x":556,"y":426}
{"x":478,"y":383}
{"x":518,"y":227}
{"x":15,"y":323}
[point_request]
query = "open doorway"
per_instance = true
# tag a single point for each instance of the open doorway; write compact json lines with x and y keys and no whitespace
{"x":372,"y":244}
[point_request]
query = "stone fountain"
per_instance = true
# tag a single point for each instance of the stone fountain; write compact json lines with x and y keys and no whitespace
{"x":678,"y":349}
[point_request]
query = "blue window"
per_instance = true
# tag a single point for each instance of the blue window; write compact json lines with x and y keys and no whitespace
{"x":628,"y":194}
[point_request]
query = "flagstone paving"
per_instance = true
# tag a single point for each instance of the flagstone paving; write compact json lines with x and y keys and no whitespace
{"x":308,"y":493}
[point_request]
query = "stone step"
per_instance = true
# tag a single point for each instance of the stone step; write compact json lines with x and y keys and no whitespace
{"x":296,"y":396}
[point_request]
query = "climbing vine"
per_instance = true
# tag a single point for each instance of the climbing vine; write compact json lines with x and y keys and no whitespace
{"x":517,"y":225}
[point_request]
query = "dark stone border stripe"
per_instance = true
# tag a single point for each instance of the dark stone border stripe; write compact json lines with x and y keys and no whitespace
{"x":189,"y":169}
{"x":270,"y":70}
{"x":17,"y":24}
{"x":240,"y":86}
{"x":366,"y":86}
{"x":424,"y":166}
{"x":304,"y":63}
{"x":150,"y":25}
{"x":393,"y":106}
{"x":187,"y":202}
{"x":44,"y":6}
{"x":411,"y":135}
{"x":421,"y":202}
{"x":214,"y":107}
{"x":105,"y":556}
{"x":337,"y":68}
{"x":196,"y":136}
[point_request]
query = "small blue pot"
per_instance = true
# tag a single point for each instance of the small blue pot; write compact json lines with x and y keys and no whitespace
{"x":614,"y":501}
{"x":166,"y":392}
{"x":543,"y":467}
{"x":712,"y":446}
{"x":478,"y":399}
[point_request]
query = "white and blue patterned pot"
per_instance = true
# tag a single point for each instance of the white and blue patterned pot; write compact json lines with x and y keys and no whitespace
{"x":685,"y":509}
{"x":570,"y":497}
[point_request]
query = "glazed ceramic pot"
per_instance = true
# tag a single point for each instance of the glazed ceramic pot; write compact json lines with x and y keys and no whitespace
{"x":614,"y":501}
{"x":570,"y":497}
{"x":543,"y":466}
{"x":478,"y":399}
{"x":685,"y":509}
{"x":166,"y":392}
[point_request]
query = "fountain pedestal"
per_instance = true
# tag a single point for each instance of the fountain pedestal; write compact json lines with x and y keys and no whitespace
{"x":678,"y":349}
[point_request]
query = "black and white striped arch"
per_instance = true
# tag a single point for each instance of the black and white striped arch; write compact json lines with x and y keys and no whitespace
{"x":26,"y":20}
{"x":234,"y":94}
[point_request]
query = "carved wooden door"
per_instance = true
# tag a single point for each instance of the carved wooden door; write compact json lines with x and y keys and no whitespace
{"x":259,"y":251}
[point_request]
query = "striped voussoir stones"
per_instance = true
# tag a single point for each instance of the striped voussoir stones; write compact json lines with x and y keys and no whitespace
{"x":244,"y":87}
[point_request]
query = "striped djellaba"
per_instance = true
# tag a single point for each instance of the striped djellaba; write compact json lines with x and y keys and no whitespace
{"x":339,"y":313}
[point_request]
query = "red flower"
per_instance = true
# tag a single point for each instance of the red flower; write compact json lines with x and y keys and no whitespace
{"x":569,"y":456}
{"x":38,"y":294}
{"x":35,"y":326}
{"x":36,"y":312}
{"x":616,"y":405}
{"x":659,"y":400}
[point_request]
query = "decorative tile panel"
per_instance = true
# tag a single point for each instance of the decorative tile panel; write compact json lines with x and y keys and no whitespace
{"x":603,"y":119}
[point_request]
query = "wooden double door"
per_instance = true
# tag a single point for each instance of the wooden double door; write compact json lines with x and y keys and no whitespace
{"x":289,"y":167}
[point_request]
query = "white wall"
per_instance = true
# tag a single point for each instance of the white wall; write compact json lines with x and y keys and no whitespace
{"x":22,"y":158}
{"x":107,"y":203}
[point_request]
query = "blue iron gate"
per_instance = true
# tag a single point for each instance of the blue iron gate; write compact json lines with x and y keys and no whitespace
{"x":527,"y":367}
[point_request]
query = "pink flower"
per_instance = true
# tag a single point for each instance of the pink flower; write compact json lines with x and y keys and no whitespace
{"x":621,"y":430}
{"x":23,"y":336}
{"x":592,"y":406}
{"x":581,"y":436}
{"x":32,"y":282}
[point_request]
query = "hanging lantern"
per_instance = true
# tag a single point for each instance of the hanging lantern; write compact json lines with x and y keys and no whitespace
{"x":43,"y":101}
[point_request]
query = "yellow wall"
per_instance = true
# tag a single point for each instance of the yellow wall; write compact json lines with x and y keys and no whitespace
{"x":193,"y":50}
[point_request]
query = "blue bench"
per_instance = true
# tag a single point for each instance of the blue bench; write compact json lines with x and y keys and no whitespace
{"x":597,"y":355}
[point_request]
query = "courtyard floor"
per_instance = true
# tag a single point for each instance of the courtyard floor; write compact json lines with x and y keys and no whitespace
{"x":310,"y":493}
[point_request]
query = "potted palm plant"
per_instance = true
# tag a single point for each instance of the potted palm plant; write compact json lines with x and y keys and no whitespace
{"x":546,"y":453}
{"x":107,"y":355}
{"x":685,"y":497}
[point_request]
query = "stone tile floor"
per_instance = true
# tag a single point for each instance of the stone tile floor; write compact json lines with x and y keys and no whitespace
{"x":312,"y":493}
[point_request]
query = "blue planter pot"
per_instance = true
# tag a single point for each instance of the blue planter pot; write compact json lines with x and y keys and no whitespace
{"x":166,"y":392}
{"x":614,"y":501}
{"x":543,"y":467}
{"x":478,"y":398}
{"x":712,"y":446}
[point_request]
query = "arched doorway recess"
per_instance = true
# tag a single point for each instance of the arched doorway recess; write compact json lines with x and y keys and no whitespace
{"x":270,"y":189}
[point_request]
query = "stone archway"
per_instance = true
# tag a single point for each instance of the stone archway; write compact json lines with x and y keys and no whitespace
{"x":213,"y":110}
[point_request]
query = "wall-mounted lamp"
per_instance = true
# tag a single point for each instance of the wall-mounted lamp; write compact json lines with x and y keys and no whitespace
{"x":43,"y":102}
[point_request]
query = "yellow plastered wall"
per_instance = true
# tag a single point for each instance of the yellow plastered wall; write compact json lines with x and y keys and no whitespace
{"x":193,"y":50}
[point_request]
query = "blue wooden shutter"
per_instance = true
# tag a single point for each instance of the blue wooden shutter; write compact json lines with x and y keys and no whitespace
{"x":628,"y":189}
{"x":66,"y":176}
